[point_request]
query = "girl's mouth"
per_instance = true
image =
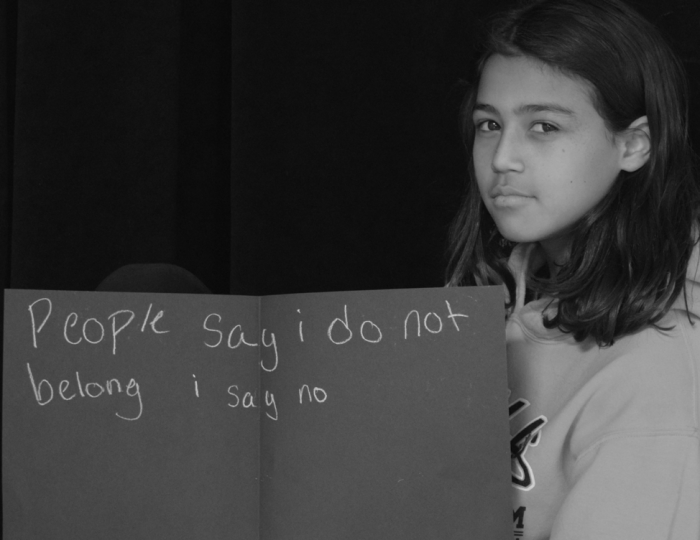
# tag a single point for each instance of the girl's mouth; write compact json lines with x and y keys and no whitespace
{"x":510,"y":201}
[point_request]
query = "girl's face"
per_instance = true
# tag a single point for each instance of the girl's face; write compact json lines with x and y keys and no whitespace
{"x":543,"y":156}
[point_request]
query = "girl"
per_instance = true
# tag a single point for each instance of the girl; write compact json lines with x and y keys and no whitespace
{"x":582,"y":202}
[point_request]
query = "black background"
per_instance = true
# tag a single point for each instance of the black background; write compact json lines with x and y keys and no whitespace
{"x":267,"y":147}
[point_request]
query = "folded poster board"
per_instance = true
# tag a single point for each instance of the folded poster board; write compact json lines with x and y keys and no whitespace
{"x":372,"y":415}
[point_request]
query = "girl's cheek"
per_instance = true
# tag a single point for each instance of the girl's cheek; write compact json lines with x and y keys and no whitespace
{"x":483,"y":189}
{"x":482,"y":154}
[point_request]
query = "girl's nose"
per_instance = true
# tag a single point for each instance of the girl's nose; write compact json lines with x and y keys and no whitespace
{"x":507,"y":154}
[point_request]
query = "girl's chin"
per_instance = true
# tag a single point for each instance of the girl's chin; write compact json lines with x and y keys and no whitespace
{"x":516,"y":236}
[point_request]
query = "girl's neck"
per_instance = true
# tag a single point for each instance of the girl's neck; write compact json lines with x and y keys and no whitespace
{"x":556,"y":252}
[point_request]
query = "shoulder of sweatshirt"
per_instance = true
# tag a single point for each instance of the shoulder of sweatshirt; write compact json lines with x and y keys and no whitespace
{"x":644,"y":384}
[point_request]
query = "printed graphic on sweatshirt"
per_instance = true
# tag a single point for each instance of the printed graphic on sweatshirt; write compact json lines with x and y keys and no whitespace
{"x":522,"y":475}
{"x":519,"y":522}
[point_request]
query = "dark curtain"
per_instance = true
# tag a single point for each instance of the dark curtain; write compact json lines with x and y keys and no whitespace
{"x":119,"y":150}
{"x":266,"y":147}
{"x":8,"y":33}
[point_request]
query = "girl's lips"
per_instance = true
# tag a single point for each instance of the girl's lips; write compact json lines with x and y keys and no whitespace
{"x":505,"y":196}
{"x":507,"y":191}
{"x":510,"y":201}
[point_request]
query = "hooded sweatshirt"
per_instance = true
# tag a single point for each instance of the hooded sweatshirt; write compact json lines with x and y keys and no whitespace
{"x":604,"y":440}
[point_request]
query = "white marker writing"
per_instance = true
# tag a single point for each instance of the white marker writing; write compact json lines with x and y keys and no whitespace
{"x":38,"y":388}
{"x":405,"y":323}
{"x":36,"y":330}
{"x":319,"y":394}
{"x":44,"y":394}
{"x":273,"y":344}
{"x":99,"y":325}
{"x":345,"y":324}
{"x":152,"y":324}
{"x":453,"y":315}
{"x":376,"y":330}
{"x":116,"y":330}
{"x":241,"y":338}
{"x":221,"y":336}
{"x":425,"y":323}
{"x":270,"y":402}
{"x":301,"y":333}
{"x":74,"y":317}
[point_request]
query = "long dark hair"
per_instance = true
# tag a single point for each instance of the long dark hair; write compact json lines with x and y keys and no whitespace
{"x":629,"y":254}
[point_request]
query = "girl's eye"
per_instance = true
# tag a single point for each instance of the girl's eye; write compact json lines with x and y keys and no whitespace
{"x":487,"y":125}
{"x":544,"y":127}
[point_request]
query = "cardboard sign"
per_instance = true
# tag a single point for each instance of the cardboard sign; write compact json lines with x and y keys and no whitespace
{"x":346,"y":415}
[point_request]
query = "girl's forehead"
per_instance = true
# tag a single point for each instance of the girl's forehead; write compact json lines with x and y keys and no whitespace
{"x":512,"y":82}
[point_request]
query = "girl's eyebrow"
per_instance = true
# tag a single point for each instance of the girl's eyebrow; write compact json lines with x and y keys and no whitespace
{"x":529,"y":109}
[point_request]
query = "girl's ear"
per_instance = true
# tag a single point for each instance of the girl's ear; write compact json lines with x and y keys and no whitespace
{"x":635,"y":145}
